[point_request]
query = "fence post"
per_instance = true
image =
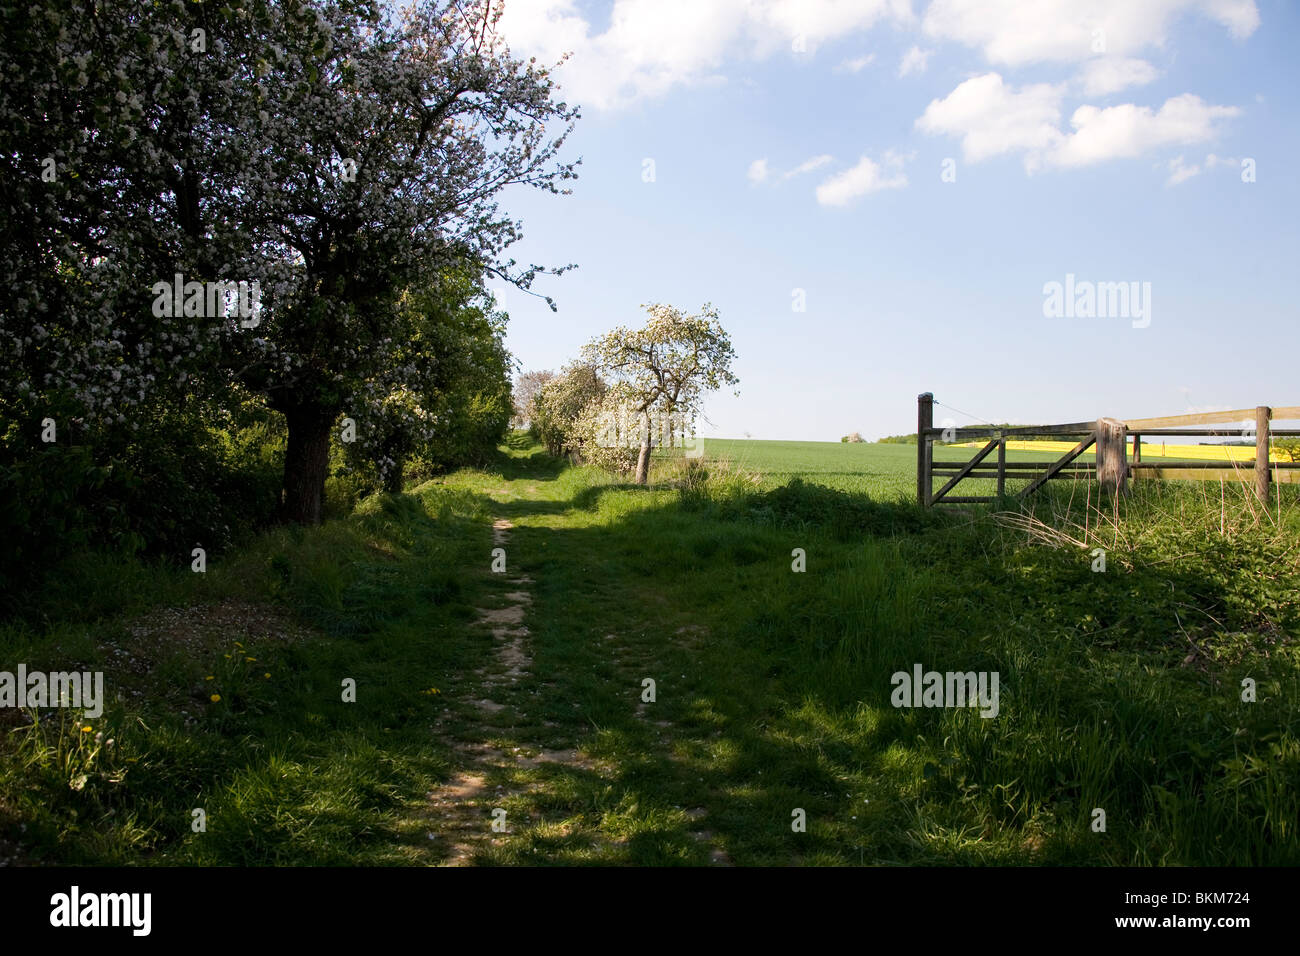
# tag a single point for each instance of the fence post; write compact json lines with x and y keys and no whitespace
{"x":1262,"y":415}
{"x":924,"y":422}
{"x":1002,"y":464}
{"x":1112,"y":455}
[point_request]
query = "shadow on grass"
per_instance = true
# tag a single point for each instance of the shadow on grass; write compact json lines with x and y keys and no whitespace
{"x":773,"y":687}
{"x":786,"y":702}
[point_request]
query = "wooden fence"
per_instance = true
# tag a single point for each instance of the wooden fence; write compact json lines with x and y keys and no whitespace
{"x":1112,"y":468}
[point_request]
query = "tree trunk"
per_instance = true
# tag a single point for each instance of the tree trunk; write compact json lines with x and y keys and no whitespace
{"x":643,"y":459}
{"x":306,"y":463}
{"x":393,"y":480}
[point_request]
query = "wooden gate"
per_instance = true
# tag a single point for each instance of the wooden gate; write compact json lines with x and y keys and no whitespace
{"x":1112,"y":468}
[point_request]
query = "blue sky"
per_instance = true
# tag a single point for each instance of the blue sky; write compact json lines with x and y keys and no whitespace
{"x":803,"y":146}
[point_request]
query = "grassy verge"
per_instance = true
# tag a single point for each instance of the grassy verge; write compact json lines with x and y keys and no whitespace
{"x":1120,"y":690}
{"x":226,"y":696}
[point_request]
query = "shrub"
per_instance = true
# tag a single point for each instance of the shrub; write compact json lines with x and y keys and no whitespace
{"x":559,"y":405}
{"x":171,"y":483}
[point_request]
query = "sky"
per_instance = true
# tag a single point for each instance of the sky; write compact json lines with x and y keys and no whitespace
{"x":878,"y":196}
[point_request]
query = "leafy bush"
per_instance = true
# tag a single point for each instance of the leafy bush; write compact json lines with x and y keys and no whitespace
{"x":559,"y":405}
{"x":170,"y":484}
{"x":459,"y":409}
{"x":842,"y":514}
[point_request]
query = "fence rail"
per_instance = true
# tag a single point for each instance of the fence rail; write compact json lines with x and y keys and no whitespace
{"x":1111,"y":438}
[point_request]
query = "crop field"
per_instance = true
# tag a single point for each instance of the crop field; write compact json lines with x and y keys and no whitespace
{"x":1165,"y":451}
{"x":884,"y":471}
{"x":889,"y":470}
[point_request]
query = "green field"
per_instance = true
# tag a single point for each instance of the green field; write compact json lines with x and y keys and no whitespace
{"x":524,"y":691}
{"x":882,"y":471}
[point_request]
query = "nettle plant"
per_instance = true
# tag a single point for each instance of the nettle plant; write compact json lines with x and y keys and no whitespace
{"x":336,"y":153}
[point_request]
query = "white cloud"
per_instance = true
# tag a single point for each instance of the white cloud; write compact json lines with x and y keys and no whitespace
{"x":653,"y":46}
{"x":866,"y":177}
{"x":856,"y":65}
{"x":759,"y":172}
{"x":992,"y":118}
{"x":1129,"y":130}
{"x":1016,"y":32}
{"x":808,"y":165}
{"x":1106,"y":75}
{"x":1179,"y":172}
{"x":914,"y":60}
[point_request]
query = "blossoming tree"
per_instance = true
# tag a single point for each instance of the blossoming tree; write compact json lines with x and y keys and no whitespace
{"x":336,"y":152}
{"x":664,"y":369}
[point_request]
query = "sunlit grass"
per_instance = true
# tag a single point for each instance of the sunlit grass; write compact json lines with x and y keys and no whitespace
{"x":1119,"y":691}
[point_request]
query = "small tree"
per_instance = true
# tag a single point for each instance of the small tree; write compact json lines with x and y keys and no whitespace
{"x":561,"y":403}
{"x":600,"y":421}
{"x":665,"y":368}
{"x":526,"y":389}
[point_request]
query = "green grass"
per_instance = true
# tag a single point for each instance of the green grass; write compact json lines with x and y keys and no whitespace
{"x":886,"y":472}
{"x":1119,"y":690}
{"x":284,"y":770}
{"x":883,"y":471}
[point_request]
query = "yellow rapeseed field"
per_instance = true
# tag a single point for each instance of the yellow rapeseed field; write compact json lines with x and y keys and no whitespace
{"x":1154,"y":449}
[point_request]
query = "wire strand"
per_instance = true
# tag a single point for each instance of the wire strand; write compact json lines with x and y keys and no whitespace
{"x":960,"y":412}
